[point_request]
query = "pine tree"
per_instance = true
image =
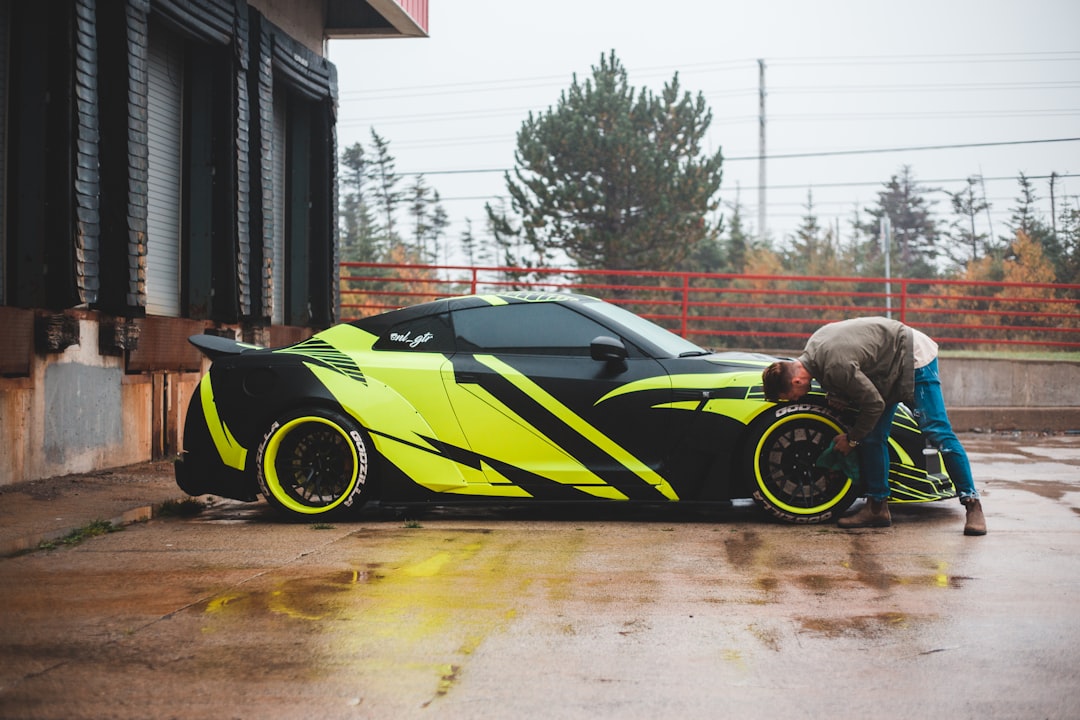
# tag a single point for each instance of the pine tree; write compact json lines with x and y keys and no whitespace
{"x":916,"y":240}
{"x":810,"y":252}
{"x":739,"y":240}
{"x":420,"y":198}
{"x":612,"y":177}
{"x":382,"y":173}
{"x":968,"y":243}
{"x":358,"y":236}
{"x":1067,"y":262}
{"x":1026,"y":219}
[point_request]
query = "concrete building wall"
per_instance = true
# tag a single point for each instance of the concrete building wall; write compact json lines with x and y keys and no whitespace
{"x":78,"y":411}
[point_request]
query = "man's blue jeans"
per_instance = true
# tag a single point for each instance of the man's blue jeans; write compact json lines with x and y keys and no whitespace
{"x":929,"y":411}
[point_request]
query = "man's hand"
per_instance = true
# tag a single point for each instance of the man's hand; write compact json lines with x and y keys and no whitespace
{"x":843,"y":444}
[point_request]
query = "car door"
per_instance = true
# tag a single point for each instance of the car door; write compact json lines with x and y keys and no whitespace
{"x":546,"y":417}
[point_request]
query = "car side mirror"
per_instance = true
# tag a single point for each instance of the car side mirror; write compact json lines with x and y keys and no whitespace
{"x":607,"y":349}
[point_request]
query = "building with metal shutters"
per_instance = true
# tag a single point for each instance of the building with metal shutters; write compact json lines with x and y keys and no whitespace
{"x":167,"y":168}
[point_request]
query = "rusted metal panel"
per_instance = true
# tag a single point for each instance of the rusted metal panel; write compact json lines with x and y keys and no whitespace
{"x":163,"y":345}
{"x":55,"y":332}
{"x":16,"y":341}
{"x":281,"y":335}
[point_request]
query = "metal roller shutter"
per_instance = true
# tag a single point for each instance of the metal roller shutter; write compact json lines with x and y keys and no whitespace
{"x":278,"y":270}
{"x":165,"y":170}
{"x":4,"y":23}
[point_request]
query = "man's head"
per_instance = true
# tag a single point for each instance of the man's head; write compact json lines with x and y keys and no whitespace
{"x":785,"y":380}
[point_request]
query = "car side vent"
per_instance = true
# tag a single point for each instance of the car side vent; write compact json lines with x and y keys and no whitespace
{"x":326,"y":354}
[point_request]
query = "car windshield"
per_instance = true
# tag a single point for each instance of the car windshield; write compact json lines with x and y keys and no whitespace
{"x":665,"y":340}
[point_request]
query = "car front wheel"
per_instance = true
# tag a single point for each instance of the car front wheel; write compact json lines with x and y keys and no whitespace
{"x":313,"y":462}
{"x":781,"y":458}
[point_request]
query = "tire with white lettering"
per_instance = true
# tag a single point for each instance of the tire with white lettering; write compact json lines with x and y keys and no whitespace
{"x":784,"y":445}
{"x":314,"y":462}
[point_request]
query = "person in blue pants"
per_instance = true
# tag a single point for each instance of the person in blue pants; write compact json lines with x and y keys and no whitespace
{"x":874,"y":364}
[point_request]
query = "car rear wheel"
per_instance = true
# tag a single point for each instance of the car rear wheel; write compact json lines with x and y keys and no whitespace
{"x":784,"y":446}
{"x":314,"y":462}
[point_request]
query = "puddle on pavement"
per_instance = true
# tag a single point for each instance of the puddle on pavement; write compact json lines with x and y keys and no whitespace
{"x":819,"y":584}
{"x":417,"y":617}
{"x":742,"y":548}
{"x":435,"y":596}
{"x":862,"y":626}
{"x":1049,"y":489}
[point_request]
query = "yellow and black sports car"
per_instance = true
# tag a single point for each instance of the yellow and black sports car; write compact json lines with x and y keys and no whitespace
{"x":516,"y":398}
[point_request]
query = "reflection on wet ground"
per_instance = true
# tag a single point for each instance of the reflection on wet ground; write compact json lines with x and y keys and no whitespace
{"x":551,"y":611}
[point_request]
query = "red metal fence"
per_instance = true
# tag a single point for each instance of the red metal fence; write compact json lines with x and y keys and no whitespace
{"x":754,"y":311}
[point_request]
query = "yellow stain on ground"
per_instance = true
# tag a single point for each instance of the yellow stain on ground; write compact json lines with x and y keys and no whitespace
{"x":408,"y":612}
{"x":429,"y":567}
{"x":941,"y":579}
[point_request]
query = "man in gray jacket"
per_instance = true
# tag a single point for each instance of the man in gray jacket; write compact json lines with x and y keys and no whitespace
{"x":874,"y":364}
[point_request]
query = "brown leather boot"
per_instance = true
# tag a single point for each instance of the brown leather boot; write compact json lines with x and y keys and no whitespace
{"x":875,"y":513}
{"x":976,"y":522}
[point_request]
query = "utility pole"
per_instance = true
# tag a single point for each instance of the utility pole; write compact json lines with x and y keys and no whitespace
{"x":761,"y":150}
{"x":1053,"y":205}
{"x":886,"y":242}
{"x":989,"y":220}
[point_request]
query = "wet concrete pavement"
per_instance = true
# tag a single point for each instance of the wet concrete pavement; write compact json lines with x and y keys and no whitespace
{"x":562,"y":614}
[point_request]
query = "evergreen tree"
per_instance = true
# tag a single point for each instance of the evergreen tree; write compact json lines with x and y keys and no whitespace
{"x":739,"y":242}
{"x":915,"y":245}
{"x":612,"y":178}
{"x":381,"y":172}
{"x":810,"y":252}
{"x":1067,"y":261}
{"x":358,"y":236}
{"x":469,"y":244}
{"x":420,"y":200}
{"x":1026,"y":219}
{"x":968,"y":243}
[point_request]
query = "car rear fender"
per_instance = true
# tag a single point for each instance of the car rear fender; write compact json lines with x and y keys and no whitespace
{"x":399,"y":431}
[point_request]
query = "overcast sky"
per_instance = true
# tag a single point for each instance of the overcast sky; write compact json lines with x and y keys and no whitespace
{"x":840,"y":76}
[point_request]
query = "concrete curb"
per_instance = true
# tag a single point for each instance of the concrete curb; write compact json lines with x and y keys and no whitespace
{"x":30,"y":543}
{"x":998,"y":419}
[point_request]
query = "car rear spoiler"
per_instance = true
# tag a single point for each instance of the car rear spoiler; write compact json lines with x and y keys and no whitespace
{"x":214,"y":346}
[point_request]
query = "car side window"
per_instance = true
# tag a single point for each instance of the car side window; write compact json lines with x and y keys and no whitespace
{"x":430,"y":333}
{"x":542,"y":328}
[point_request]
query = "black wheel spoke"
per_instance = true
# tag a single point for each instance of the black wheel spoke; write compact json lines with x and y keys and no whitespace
{"x":792,"y":486}
{"x":314,"y":461}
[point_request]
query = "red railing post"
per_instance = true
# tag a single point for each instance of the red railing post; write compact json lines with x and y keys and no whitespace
{"x":685,"y":302}
{"x":903,"y":300}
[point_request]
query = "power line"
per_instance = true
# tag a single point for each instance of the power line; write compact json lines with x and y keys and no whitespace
{"x":744,"y":63}
{"x":818,"y":186}
{"x":947,"y":58}
{"x":963,"y":87}
{"x":489,"y":139}
{"x":788,"y":156}
{"x":864,"y":183}
{"x":859,"y":117}
{"x":917,"y":148}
